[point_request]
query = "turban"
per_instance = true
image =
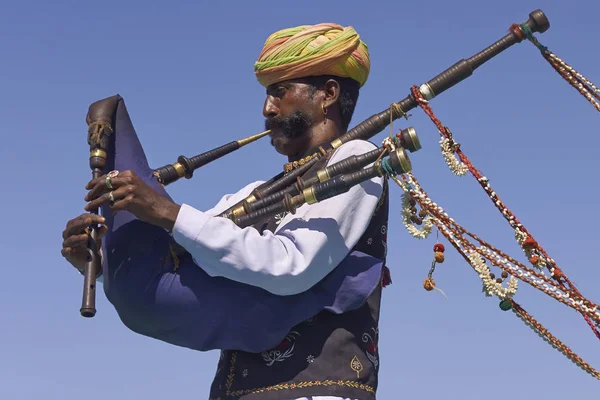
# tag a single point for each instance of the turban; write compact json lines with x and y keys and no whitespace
{"x":311,"y":50}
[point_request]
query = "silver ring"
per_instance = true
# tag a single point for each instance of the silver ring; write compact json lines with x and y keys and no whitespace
{"x":111,"y":198}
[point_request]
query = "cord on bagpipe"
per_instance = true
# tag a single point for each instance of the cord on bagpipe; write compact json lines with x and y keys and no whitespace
{"x":492,"y":286}
{"x":557,"y":285}
{"x":574,"y":78}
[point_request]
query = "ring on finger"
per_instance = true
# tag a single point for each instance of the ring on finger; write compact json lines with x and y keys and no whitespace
{"x":111,"y":198}
{"x":109,"y":176}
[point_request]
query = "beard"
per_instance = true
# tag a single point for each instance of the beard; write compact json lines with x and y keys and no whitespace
{"x":288,"y":128}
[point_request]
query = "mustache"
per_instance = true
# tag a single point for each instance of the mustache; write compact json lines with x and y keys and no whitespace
{"x":293,"y":126}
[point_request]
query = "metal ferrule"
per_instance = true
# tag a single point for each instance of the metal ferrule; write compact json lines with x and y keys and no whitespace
{"x":405,"y":163}
{"x":179,"y":168}
{"x":336,"y":143}
{"x":411,"y":135}
{"x":98,"y":153}
{"x":238,"y":211}
{"x":426,"y":91}
{"x":309,"y":195}
{"x":323,"y":175}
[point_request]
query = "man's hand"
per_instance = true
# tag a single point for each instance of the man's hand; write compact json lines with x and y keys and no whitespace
{"x":130,"y":193}
{"x":75,"y":238}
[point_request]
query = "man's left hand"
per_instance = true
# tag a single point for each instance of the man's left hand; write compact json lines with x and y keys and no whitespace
{"x":130,"y":193}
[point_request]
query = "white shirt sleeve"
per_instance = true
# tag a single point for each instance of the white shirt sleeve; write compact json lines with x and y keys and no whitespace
{"x":230,"y":199}
{"x":304,"y":248}
{"x":224,"y":203}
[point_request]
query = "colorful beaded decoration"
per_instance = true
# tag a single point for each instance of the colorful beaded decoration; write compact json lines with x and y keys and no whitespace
{"x":544,"y":274}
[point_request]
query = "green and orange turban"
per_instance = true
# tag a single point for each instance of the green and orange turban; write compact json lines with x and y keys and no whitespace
{"x":311,"y":50}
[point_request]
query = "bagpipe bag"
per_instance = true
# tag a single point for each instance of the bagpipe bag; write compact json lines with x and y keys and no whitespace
{"x":184,"y":306}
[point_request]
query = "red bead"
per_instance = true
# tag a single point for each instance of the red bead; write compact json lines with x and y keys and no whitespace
{"x":530,"y":243}
{"x":534,"y":259}
{"x":557,"y":274}
{"x":439,"y":247}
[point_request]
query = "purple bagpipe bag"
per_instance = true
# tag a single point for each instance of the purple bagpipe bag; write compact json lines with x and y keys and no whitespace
{"x":187,"y":307}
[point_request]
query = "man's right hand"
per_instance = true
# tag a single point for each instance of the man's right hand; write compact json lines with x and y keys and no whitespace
{"x":75,"y":238}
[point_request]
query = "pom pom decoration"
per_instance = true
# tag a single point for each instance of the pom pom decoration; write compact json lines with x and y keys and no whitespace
{"x":429,"y":284}
{"x":477,"y":252}
{"x":439,"y":257}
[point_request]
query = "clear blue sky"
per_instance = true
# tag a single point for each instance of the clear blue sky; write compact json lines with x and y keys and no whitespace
{"x":185,"y":71}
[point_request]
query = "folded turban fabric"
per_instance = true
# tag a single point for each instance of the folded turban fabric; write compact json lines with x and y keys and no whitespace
{"x":311,"y":50}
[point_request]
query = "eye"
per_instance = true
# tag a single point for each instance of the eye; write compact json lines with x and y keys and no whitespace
{"x":280,"y":91}
{"x":277,"y":91}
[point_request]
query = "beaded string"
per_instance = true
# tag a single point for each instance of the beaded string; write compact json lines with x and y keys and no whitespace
{"x":586,"y":88}
{"x":559,"y":287}
{"x":452,"y":231}
{"x":495,"y":256}
{"x":552,"y":340}
{"x":524,"y":238}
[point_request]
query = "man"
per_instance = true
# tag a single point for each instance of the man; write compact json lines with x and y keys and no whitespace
{"x":312,"y":76}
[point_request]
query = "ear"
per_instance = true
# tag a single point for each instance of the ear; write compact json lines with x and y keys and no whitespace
{"x":331,"y":92}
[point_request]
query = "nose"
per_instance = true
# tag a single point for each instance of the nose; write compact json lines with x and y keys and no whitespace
{"x":270,"y":109}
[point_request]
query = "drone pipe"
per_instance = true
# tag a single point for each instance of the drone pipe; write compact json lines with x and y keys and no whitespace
{"x":407,"y":139}
{"x":398,"y":162}
{"x":370,"y":127}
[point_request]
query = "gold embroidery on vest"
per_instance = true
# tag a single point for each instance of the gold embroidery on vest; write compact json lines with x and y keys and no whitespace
{"x":288,"y":386}
{"x":299,"y":385}
{"x":231,"y":372}
{"x":356,"y":366}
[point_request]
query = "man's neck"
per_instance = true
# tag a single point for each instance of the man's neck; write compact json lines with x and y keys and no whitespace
{"x":318,"y":137}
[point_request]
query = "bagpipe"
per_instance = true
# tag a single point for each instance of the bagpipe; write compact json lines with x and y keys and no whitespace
{"x":163,"y":295}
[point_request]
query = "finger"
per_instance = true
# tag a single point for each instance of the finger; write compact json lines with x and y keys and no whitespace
{"x":121,"y":205}
{"x":79,"y":224}
{"x":73,"y":252}
{"x":100,"y":187}
{"x":72,"y":255}
{"x":66,"y":252}
{"x":97,"y":189}
{"x":95,"y":181}
{"x":118,"y":195}
{"x":80,"y":240}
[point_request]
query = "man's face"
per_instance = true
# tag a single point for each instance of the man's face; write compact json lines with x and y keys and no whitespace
{"x":290,"y":109}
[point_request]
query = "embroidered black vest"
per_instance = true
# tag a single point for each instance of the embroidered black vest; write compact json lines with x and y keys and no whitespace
{"x":327,"y":355}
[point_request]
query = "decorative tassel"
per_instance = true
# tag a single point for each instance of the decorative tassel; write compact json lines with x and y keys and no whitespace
{"x":386,"y":279}
{"x":429,"y":283}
